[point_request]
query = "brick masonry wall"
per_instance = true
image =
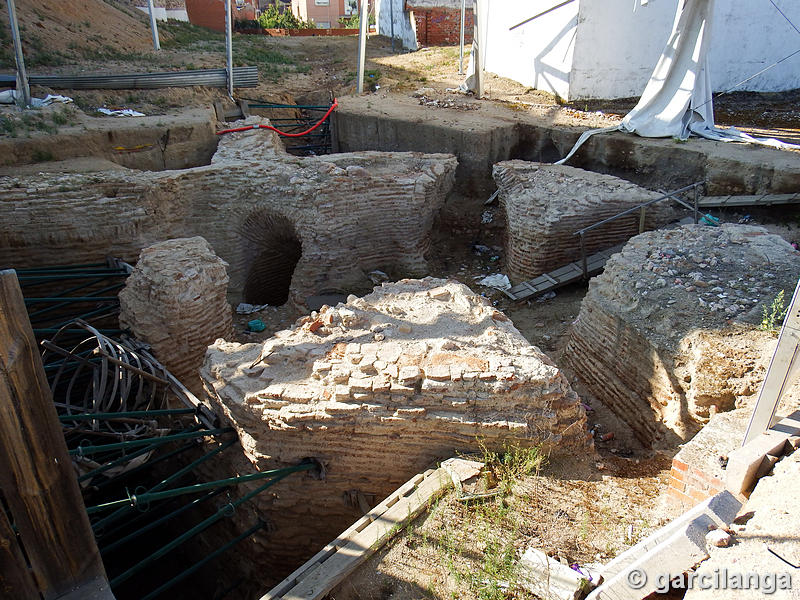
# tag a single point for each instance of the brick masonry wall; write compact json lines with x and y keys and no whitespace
{"x":668,"y":334}
{"x":689,"y":486}
{"x":697,"y":470}
{"x":353,"y":213}
{"x":545,"y":204}
{"x":441,"y":26}
{"x":378,"y":389}
{"x":176,"y":301}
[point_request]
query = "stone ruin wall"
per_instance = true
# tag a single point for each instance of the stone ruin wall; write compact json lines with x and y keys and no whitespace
{"x":668,"y":334}
{"x":546,"y":204}
{"x":352,"y":213}
{"x":176,"y":300}
{"x":378,"y":389}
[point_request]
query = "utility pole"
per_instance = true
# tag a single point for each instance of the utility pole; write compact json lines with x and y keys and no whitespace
{"x":391,"y":18}
{"x":461,"y":38}
{"x":363,"y":20}
{"x":229,"y":46}
{"x":478,"y":38}
{"x":23,"y":88}
{"x":153,"y":25}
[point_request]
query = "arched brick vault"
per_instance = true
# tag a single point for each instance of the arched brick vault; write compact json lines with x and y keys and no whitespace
{"x":351,"y":213}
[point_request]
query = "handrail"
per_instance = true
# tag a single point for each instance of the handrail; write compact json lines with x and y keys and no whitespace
{"x":645,"y":204}
{"x":640,"y":207}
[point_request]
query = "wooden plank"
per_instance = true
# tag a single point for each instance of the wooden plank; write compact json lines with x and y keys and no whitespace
{"x":550,"y":279}
{"x":757,"y":200}
{"x":337,"y":560}
{"x":36,"y":474}
{"x":361,"y":546}
{"x":16,"y":580}
{"x":289,"y":582}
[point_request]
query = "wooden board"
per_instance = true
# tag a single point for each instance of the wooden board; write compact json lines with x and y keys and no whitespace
{"x":562,"y":276}
{"x":758,"y":200}
{"x":36,"y":473}
{"x":16,"y":580}
{"x":337,"y":560}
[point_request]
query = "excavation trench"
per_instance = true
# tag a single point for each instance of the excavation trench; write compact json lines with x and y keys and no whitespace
{"x":298,"y":228}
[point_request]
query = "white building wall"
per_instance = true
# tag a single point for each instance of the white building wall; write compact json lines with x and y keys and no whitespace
{"x":165,"y":14}
{"x":616,"y":48}
{"x":748,"y":36}
{"x":405,"y":30}
{"x":537,"y":54}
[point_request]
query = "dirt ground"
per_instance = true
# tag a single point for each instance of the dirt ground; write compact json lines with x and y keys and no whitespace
{"x":583,"y":511}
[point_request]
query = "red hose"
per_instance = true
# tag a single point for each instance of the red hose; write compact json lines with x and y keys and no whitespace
{"x":333,"y":107}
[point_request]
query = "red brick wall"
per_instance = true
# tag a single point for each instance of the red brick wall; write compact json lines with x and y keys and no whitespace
{"x":211,"y":13}
{"x":441,"y":26}
{"x":689,"y":485}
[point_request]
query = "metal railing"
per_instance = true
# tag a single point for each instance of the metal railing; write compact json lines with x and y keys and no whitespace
{"x":642,"y":208}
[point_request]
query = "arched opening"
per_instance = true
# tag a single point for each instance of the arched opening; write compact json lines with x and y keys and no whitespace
{"x":273,"y":249}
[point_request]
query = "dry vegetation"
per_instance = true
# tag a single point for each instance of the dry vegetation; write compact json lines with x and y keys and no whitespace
{"x":469,"y":549}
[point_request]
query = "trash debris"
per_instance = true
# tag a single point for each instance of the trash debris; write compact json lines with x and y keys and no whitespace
{"x":377,"y":277}
{"x":492,"y":198}
{"x":548,"y":578}
{"x":719,"y":538}
{"x":480,"y":248}
{"x":745,"y":219}
{"x":545,"y":297}
{"x":245,"y":309}
{"x":607,"y":437}
{"x":256,"y":325}
{"x":497,"y":281}
{"x":487,"y":217}
{"x":120,"y":112}
{"x":711,"y":220}
{"x":10,"y":97}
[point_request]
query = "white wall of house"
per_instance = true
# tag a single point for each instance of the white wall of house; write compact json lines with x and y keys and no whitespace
{"x":617,"y":48}
{"x":405,"y":29}
{"x":537,"y":54}
{"x":164,"y":14}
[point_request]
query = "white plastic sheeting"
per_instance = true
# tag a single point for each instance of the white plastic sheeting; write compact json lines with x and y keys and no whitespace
{"x":678,"y":101}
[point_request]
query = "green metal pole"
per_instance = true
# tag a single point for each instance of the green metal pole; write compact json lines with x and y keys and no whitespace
{"x":135,"y":499}
{"x":88,"y":450}
{"x":119,"y":513}
{"x":153,"y":524}
{"x":161,"y":589}
{"x":202,"y":526}
{"x":130,"y":414}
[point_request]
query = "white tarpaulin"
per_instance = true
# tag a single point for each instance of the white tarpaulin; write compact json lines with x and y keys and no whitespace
{"x":677,"y":101}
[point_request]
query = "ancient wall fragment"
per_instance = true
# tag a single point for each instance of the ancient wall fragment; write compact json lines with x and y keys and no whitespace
{"x":310,"y":224}
{"x":176,"y":300}
{"x":546,"y":204}
{"x":668,"y":334}
{"x":378,"y":389}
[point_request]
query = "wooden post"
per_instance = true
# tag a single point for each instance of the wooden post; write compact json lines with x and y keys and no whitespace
{"x":363,"y":23}
{"x":16,"y":580}
{"x":36,"y":473}
{"x":23,"y":88}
